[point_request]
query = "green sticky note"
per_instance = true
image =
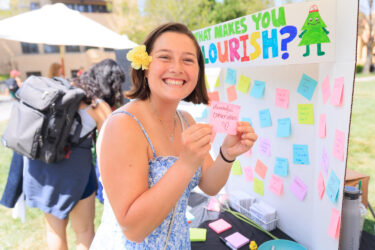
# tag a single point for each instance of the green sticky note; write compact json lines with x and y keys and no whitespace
{"x":258,"y":186}
{"x":217,"y":84}
{"x":206,"y":81}
{"x":244,"y":84}
{"x":305,"y":114}
{"x":197,"y":234}
{"x":236,"y":168}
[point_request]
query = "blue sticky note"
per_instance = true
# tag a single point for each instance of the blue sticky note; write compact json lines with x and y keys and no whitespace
{"x":283,"y":127}
{"x":231,"y":76}
{"x":301,"y":154}
{"x":307,"y":86}
{"x":247,"y":119}
{"x":333,"y":187}
{"x":281,"y":166}
{"x":265,"y":118}
{"x":257,"y":90}
{"x":205,"y":113}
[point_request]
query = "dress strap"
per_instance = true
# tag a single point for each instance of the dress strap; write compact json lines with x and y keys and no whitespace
{"x":184,"y":124}
{"x":144,"y":131}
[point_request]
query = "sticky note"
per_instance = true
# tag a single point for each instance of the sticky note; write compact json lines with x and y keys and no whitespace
{"x":321,"y":186}
{"x":206,"y":82}
{"x":231,"y":76}
{"x":261,"y":169}
{"x":322,"y":126}
{"x":248,"y":173}
{"x":307,"y":86}
{"x":213,"y":96}
{"x":282,"y":98}
{"x":326,"y":89}
{"x":305,"y":113}
{"x":219,"y":225}
{"x":298,"y":188}
{"x":224,"y":117}
{"x":217,"y":83}
{"x":301,"y":154}
{"x":257,"y":90}
{"x":334,"y":224}
{"x":281,"y":166}
{"x":339,"y":145}
{"x":231,"y":93}
{"x":276,"y":185}
{"x":236,"y":168}
{"x":213,"y":205}
{"x":197,"y":234}
{"x":247,"y":119}
{"x":237,"y":240}
{"x":264,"y":146}
{"x":243,"y":84}
{"x":325,"y":160}
{"x":213,"y":135}
{"x":265,"y":118}
{"x":333,"y":187}
{"x":283,"y":127}
{"x":204,"y":113}
{"x":338,"y":91}
{"x":258,"y":186}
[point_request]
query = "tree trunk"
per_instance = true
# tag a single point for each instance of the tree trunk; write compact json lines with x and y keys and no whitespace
{"x":368,"y":63}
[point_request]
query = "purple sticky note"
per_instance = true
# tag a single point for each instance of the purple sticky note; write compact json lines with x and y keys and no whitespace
{"x":237,"y":240}
{"x":339,"y":145}
{"x":325,"y":161}
{"x":264,"y":147}
{"x":298,"y":188}
{"x":224,"y":117}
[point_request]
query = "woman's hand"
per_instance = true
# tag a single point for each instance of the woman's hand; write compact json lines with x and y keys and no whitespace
{"x":234,"y":145}
{"x":196,"y":144}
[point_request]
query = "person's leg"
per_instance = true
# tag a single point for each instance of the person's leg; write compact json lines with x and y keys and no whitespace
{"x":307,"y":53}
{"x":56,"y":232}
{"x":82,"y":221}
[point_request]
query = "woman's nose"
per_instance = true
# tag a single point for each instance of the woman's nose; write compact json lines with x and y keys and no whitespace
{"x":176,"y":67}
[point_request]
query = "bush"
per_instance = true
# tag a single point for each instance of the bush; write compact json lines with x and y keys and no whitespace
{"x":358,"y":68}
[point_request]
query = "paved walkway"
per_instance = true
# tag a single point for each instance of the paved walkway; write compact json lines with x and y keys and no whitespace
{"x":5,"y":107}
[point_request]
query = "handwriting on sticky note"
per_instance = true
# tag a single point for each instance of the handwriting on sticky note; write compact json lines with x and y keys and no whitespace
{"x":322,"y":126}
{"x":231,"y":93}
{"x":307,"y":86}
{"x":258,"y":186}
{"x":257,"y":90}
{"x":305,"y":113}
{"x":224,"y":117}
{"x":244,"y":84}
{"x":248,"y":173}
{"x":338,"y":91}
{"x":261,"y":169}
{"x":282,"y":98}
{"x":301,"y":154}
{"x":265,"y":118}
{"x":325,"y":160}
{"x":213,"y":96}
{"x":321,"y":186}
{"x":333,"y":186}
{"x":231,"y":76}
{"x":276,"y":185}
{"x":334,"y":224}
{"x":339,"y":145}
{"x":283,"y":127}
{"x":326,"y":89}
{"x":236,"y":168}
{"x":281,"y":166}
{"x":298,"y":188}
{"x":264,"y":146}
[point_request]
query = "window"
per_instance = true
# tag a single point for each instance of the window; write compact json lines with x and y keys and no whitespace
{"x":33,"y":73}
{"x":90,"y":8}
{"x":108,"y":49}
{"x":90,"y":47}
{"x":72,"y":49}
{"x":34,"y":6}
{"x":73,"y":73}
{"x":50,"y":49}
{"x":29,"y":48}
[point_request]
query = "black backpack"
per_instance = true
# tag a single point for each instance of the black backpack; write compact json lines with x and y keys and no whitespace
{"x":40,"y":123}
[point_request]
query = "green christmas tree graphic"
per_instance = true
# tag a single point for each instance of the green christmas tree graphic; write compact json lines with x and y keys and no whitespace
{"x":314,"y":31}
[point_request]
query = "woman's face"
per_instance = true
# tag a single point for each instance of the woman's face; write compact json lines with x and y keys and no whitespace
{"x":173,"y":72}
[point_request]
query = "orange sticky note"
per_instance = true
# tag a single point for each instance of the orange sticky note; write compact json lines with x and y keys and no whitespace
{"x":322,"y":126}
{"x":338,"y":91}
{"x":326,"y":89}
{"x":321,"y":186}
{"x":231,"y":93}
{"x":248,"y":173}
{"x":276,"y":185}
{"x":282,"y":98}
{"x":261,"y":169}
{"x":334,"y":225}
{"x":339,"y":145}
{"x":213,"y":96}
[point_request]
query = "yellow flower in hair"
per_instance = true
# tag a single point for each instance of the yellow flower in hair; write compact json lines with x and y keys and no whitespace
{"x":139,"y":57}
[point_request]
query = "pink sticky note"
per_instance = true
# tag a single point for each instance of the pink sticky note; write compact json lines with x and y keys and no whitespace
{"x":339,"y":145}
{"x":213,"y":96}
{"x":282,"y":98}
{"x":322,"y":125}
{"x":237,"y":240}
{"x":264,"y":147}
{"x":334,"y":224}
{"x":276,"y":185}
{"x":325,"y":160}
{"x":224,"y":117}
{"x":298,"y":188}
{"x":321,"y":185}
{"x":248,"y":173}
{"x":249,"y":152}
{"x":326,"y":89}
{"x":261,"y":169}
{"x":338,"y":91}
{"x":213,"y":205}
{"x":231,"y":93}
{"x":219,"y":225}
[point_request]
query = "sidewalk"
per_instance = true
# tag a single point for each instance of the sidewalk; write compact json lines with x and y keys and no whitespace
{"x":6,"y":103}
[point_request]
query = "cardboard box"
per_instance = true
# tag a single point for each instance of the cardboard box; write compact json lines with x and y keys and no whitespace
{"x":352,"y":178}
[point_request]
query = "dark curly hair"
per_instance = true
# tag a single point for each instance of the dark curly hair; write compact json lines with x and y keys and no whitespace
{"x":102,"y":80}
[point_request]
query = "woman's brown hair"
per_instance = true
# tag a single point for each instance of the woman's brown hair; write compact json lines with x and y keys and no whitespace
{"x":140,"y":87}
{"x":54,"y":70}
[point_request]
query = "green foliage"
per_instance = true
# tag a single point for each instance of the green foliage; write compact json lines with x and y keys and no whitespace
{"x":3,"y":77}
{"x":358,"y":68}
{"x":15,"y":7}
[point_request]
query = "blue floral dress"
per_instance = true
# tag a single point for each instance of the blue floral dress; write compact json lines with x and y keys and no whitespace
{"x":109,"y":234}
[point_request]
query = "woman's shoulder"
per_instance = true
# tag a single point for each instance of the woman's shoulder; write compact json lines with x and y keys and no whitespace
{"x":189,"y":118}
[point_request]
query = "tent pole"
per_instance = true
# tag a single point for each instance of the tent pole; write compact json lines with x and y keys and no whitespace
{"x":62,"y":52}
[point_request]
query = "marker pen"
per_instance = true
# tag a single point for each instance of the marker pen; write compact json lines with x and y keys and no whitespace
{"x":227,"y":243}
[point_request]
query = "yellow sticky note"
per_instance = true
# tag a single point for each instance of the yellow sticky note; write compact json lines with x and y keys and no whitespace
{"x":206,"y":81}
{"x":258,"y":186}
{"x":197,"y":234}
{"x":217,"y":84}
{"x":305,"y":114}
{"x":244,"y":84}
{"x":236,"y":168}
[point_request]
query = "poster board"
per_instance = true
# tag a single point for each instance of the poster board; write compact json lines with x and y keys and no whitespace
{"x":287,"y":98}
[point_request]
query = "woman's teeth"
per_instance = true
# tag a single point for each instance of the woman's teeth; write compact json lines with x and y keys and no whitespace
{"x":174,"y":82}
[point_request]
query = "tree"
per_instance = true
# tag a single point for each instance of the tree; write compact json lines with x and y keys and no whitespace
{"x":15,"y":7}
{"x":370,"y":42}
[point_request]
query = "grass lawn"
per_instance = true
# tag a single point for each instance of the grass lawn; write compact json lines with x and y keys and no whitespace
{"x":31,"y":235}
